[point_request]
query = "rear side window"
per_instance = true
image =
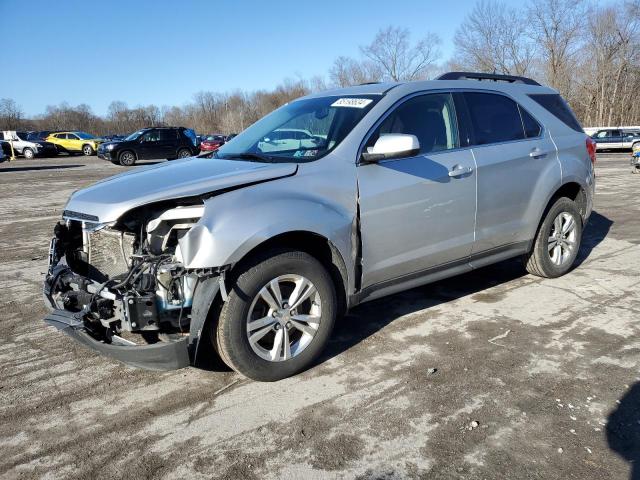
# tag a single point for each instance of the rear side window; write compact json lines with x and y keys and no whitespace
{"x":532,"y":128}
{"x":555,"y":104}
{"x":167,"y":135}
{"x":494,"y":118}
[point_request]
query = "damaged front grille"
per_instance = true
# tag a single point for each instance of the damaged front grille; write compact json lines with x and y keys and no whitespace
{"x":108,"y":253}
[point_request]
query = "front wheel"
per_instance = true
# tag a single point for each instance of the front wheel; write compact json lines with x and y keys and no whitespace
{"x":127,"y":159}
{"x":28,"y":153}
{"x":278,"y":317}
{"x":557,"y":242}
{"x":87,"y":150}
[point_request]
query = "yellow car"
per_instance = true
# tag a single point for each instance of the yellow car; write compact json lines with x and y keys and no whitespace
{"x":75,"y":142}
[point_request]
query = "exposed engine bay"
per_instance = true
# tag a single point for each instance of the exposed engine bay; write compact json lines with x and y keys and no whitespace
{"x":126,"y":276}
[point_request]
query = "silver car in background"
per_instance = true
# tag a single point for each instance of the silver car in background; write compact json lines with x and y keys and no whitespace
{"x":254,"y":253}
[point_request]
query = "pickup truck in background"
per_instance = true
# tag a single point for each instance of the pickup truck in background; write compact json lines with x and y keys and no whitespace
{"x":616,"y":139}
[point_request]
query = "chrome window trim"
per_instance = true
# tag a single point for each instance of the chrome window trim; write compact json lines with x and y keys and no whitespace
{"x":451,"y":91}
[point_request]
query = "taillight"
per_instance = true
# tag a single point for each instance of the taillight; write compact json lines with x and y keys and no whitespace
{"x":591,"y":150}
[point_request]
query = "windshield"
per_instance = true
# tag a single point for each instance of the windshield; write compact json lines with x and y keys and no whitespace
{"x":84,"y":135}
{"x":134,"y":135}
{"x":301,"y":131}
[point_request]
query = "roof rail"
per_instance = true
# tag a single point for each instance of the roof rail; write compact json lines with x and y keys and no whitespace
{"x":486,"y":76}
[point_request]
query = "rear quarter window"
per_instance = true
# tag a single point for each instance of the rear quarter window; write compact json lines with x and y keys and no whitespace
{"x":532,"y":128}
{"x":556,"y":105}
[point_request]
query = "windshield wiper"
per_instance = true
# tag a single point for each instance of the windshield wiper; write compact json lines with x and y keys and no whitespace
{"x":248,"y":156}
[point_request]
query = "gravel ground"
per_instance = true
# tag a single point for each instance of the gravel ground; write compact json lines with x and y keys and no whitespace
{"x":494,"y":374}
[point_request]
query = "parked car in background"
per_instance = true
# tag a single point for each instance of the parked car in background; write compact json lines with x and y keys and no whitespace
{"x":231,"y":136}
{"x":616,"y":139}
{"x":113,"y":138}
{"x":27,"y":148}
{"x":289,"y":139}
{"x":257,"y":253}
{"x":34,"y":136}
{"x":151,"y":144}
{"x":5,"y":151}
{"x":75,"y":142}
{"x":211,"y":143}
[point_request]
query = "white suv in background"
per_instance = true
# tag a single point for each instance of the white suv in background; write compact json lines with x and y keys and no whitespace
{"x":27,"y":148}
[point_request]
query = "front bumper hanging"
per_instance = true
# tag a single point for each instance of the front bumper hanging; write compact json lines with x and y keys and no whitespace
{"x":157,"y":356}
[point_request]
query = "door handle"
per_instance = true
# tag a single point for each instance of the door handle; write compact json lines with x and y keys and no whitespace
{"x":537,"y":153}
{"x":459,"y":170}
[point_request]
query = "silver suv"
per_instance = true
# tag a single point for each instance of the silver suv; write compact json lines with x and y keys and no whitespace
{"x":254,"y":253}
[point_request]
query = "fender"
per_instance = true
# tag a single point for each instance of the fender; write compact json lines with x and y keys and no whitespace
{"x":231,"y":225}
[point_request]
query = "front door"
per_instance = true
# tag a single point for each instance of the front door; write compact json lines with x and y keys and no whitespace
{"x":417,"y":213}
{"x":150,"y":145}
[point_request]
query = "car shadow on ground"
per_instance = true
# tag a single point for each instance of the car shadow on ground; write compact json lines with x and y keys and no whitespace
{"x":38,"y":167}
{"x":366,"y":319}
{"x":594,"y":232}
{"x":623,"y":429}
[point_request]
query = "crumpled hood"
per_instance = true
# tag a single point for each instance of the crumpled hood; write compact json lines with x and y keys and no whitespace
{"x":110,"y":198}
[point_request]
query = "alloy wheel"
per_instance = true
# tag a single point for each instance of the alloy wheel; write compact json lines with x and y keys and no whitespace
{"x":284,"y":318}
{"x":562,"y":238}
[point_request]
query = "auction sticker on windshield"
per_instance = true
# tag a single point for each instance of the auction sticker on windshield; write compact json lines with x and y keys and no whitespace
{"x":352,"y":102}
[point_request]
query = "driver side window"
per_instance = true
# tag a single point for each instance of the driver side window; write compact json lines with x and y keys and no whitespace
{"x":151,"y":136}
{"x":431,"y":118}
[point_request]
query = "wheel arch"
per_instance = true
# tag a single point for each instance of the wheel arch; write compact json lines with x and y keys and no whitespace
{"x":570,"y":189}
{"x":208,"y":298}
{"x":314,"y":244}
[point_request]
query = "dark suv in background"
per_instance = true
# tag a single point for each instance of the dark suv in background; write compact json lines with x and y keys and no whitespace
{"x":151,"y":144}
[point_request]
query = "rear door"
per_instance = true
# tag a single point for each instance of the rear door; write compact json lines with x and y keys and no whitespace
{"x":512,"y":153}
{"x":168,"y":145}
{"x":417,"y":213}
{"x":616,"y":139}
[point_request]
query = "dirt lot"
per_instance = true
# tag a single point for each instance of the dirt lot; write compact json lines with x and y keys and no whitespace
{"x":549,"y":370}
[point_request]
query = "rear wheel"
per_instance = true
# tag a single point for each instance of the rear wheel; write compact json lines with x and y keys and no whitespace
{"x":127,"y":159}
{"x":558,"y":241}
{"x":28,"y":153}
{"x":87,"y":150}
{"x":184,"y":153}
{"x":278,"y":317}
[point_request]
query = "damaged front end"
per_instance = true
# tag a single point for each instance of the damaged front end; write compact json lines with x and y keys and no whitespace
{"x":122,"y":289}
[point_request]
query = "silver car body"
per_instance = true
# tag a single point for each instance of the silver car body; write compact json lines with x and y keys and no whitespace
{"x":392,"y":225}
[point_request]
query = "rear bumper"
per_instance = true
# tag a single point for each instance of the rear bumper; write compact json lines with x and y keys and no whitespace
{"x":157,"y":356}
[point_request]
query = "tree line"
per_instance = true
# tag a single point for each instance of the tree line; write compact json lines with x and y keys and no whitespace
{"x":589,"y":53}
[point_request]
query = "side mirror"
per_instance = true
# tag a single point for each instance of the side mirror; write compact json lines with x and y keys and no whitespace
{"x":392,"y":145}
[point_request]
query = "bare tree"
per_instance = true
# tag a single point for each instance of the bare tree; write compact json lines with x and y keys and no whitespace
{"x":556,"y":28}
{"x":348,"y":71}
{"x":493,"y":38}
{"x":10,"y":115}
{"x":391,"y":51}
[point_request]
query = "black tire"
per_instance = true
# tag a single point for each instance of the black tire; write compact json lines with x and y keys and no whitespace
{"x":183,"y":153}
{"x":87,"y":150}
{"x":28,"y":153}
{"x":539,"y":261}
{"x":127,"y":158}
{"x":230,"y":333}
